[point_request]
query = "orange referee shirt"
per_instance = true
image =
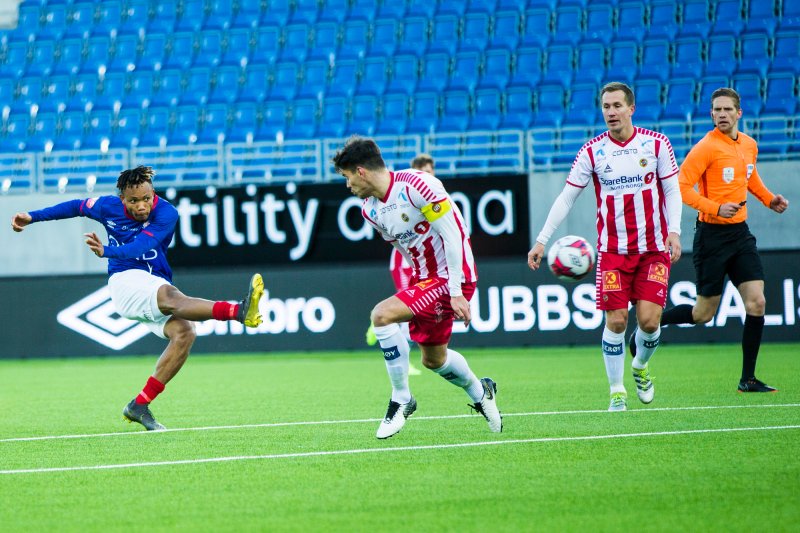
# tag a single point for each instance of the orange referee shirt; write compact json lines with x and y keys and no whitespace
{"x":725,"y":170}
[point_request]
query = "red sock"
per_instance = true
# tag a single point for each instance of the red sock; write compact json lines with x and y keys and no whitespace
{"x":224,"y":311}
{"x":152,"y":388}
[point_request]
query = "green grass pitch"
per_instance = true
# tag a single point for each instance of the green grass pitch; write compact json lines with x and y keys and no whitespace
{"x":286,"y":442}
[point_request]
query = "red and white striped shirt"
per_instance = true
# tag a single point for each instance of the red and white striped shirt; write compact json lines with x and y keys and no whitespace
{"x":631,"y":210}
{"x":398,"y":219}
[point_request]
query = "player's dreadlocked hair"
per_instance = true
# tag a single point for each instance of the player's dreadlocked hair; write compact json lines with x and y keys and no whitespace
{"x":135,"y":176}
{"x":358,"y":152}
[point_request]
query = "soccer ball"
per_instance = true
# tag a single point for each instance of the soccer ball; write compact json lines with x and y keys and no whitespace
{"x":571,"y":258}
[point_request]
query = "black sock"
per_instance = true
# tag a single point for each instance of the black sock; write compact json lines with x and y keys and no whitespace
{"x":751,"y":342}
{"x":680,"y":314}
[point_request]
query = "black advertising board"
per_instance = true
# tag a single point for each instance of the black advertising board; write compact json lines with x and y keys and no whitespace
{"x":322,"y":223}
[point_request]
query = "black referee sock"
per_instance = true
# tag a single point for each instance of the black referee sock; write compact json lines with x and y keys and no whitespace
{"x":751,"y":342}
{"x":680,"y":314}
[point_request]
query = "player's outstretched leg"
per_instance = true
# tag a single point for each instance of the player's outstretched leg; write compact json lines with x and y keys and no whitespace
{"x":140,"y":412}
{"x":395,"y":418}
{"x":248,"y":307}
{"x":488,"y":405}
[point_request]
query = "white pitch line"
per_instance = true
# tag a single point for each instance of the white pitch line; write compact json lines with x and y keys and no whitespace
{"x":371,"y":420}
{"x":393,"y":449}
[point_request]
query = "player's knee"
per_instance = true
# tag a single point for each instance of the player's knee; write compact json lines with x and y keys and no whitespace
{"x":380,"y":317}
{"x":616,"y":323}
{"x":184,"y":333}
{"x":703,"y":316}
{"x":756,"y":306}
{"x":650,"y":325}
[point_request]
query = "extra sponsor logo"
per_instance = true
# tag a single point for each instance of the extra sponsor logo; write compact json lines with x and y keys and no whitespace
{"x":611,"y":281}
{"x":391,"y":353}
{"x":612,"y":349}
{"x":659,"y":273}
{"x":96,"y":317}
{"x":750,"y":169}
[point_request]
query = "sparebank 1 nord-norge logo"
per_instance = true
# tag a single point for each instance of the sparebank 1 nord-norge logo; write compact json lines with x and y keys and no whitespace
{"x":96,"y":317}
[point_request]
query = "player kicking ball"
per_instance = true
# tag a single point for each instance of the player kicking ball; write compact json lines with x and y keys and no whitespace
{"x":412,"y":210}
{"x":140,"y":226}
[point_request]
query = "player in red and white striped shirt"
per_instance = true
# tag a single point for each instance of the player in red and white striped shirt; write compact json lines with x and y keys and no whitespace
{"x":634,"y":174}
{"x":412,"y":210}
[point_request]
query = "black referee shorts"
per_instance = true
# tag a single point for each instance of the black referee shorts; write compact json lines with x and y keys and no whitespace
{"x":721,"y":249}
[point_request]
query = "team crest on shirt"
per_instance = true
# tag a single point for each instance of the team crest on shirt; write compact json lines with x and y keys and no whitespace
{"x":90,"y":202}
{"x":750,"y":169}
{"x":611,"y":281}
{"x":643,"y":162}
{"x":658,"y":272}
{"x":404,"y":217}
{"x":727,"y":174}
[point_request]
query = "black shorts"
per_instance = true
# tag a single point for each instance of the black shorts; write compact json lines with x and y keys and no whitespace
{"x":721,"y":249}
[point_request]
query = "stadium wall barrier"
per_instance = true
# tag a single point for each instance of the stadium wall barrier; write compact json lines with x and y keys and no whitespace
{"x":320,"y":307}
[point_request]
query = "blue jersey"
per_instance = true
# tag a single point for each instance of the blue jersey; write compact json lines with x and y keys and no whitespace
{"x":131,"y":244}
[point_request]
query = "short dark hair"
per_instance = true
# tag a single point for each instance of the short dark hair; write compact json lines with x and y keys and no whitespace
{"x":135,"y":176}
{"x":630,"y":99}
{"x":726,"y":91}
{"x":421,"y":160}
{"x":358,"y":152}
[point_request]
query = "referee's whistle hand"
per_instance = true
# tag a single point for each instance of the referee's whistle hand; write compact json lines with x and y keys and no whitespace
{"x":728,"y":209}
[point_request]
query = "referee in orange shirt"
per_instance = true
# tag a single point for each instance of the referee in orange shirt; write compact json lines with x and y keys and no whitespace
{"x":723,"y":166}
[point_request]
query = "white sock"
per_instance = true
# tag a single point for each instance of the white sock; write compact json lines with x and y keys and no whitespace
{"x":395,"y":354}
{"x":646,"y":344}
{"x":614,"y":356}
{"x":404,"y":329}
{"x":456,"y":370}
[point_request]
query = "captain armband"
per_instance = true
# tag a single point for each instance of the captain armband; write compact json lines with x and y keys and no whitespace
{"x":436,"y":210}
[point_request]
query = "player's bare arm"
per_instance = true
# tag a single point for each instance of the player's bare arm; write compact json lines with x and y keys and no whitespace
{"x":19,"y":221}
{"x":673,"y":245}
{"x":535,"y":256}
{"x":95,"y":244}
{"x":779,"y":204}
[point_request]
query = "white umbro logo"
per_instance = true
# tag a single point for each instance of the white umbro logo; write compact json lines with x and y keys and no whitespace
{"x":96,"y":317}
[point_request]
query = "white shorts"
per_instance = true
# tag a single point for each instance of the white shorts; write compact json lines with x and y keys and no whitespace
{"x":135,"y":295}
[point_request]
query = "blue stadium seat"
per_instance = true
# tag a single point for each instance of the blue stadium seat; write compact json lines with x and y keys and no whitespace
{"x":451,"y":7}
{"x":153,"y":51}
{"x":663,"y":20}
{"x":648,"y":100}
{"x":54,"y":21}
{"x":70,"y":132}
{"x":315,"y":80}
{"x":165,"y":16}
{"x":79,"y":20}
{"x":728,"y":19}
{"x":108,"y":17}
{"x":391,"y":10}
{"x":267,"y":45}
{"x":405,"y":74}
{"x":123,"y":53}
{"x":775,"y":136}
{"x":678,"y":135}
{"x":506,"y":30}
{"x":247,"y":13}
{"x":236,"y":48}
{"x":538,"y":29}
{"x":334,"y":115}
{"x":568,"y":25}
{"x":696,"y":21}
{"x":186,"y":126}
{"x":112,"y":88}
{"x":551,"y":104}
{"x":256,"y":84}
{"x":680,"y":103}
{"x":44,"y":132}
{"x":456,"y":111}
{"x":213,"y":124}
{"x":125,"y":131}
{"x":781,"y":94}
{"x":244,"y":123}
{"x":656,"y":59}
{"x":761,"y":16}
{"x":374,"y":76}
{"x":786,"y":52}
{"x":518,"y":108}
{"x":543,"y":145}
{"x":334,"y":11}
{"x":16,"y":60}
{"x":56,"y":94}
{"x":209,"y":49}
{"x":134,"y":17}
{"x":466,"y":71}
{"x":515,"y":5}
{"x":424,"y":116}
{"x":488,"y":110}
{"x":689,"y":60}
{"x":355,"y":39}
{"x":17,"y":127}
{"x":496,"y":69}
{"x":96,"y":55}
{"x":582,"y":106}
{"x":364,"y":111}
{"x":8,"y":89}
{"x":84,"y":91}
{"x":180,"y":51}
{"x":476,"y":32}
{"x":414,"y":38}
{"x":196,"y":87}
{"x":191,"y":16}
{"x":343,"y":77}
{"x":394,"y":115}
{"x":631,"y":21}
{"x":296,"y":42}
{"x":142,"y":83}
{"x":29,"y":91}
{"x":571,"y":141}
{"x":722,"y":59}
{"x":156,"y":127}
{"x":482,"y":6}
{"x":168,"y":88}
{"x":754,"y":54}
{"x":623,"y":62}
{"x":28,"y":22}
{"x":304,"y":119}
{"x":305,"y":12}
{"x":285,"y":80}
{"x":385,"y":33}
{"x":42,"y":58}
{"x":421,"y":8}
{"x":99,"y":126}
{"x":220,"y":15}
{"x":326,"y":41}
{"x":790,"y":16}
{"x":444,"y":34}
{"x":225,"y":86}
{"x":600,"y":23}
{"x":751,"y":93}
{"x":435,"y":72}
{"x":528,"y":67}
{"x":590,"y":63}
{"x":559,"y":65}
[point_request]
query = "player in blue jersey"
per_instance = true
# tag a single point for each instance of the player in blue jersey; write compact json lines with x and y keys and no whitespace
{"x":140,"y":226}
